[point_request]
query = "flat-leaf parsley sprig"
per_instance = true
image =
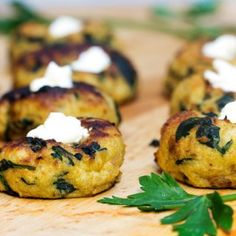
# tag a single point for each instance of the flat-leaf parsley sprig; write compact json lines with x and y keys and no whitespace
{"x":194,"y":215}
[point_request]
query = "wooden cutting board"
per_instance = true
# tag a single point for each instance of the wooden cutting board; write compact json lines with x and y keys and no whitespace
{"x":142,"y":120}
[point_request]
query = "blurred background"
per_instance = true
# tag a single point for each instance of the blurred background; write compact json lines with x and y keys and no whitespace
{"x":151,"y":31}
{"x":71,"y":4}
{"x":49,"y":3}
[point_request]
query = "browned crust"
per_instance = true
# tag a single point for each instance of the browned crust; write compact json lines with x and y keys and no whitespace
{"x":198,"y":43}
{"x":98,"y":129}
{"x":47,"y":92}
{"x":177,"y":119}
{"x":59,"y":52}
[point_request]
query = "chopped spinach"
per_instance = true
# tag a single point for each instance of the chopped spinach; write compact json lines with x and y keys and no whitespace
{"x":7,"y":187}
{"x":63,"y":186}
{"x":207,"y":96}
{"x":207,"y":133}
{"x":77,"y":96}
{"x":26,"y":122}
{"x":21,"y":124}
{"x":78,"y":156}
{"x":92,"y":148}
{"x":210,"y":114}
{"x":184,"y":127}
{"x":64,"y":173}
{"x":60,"y":152}
{"x":183,"y":160}
{"x":210,"y":136}
{"x":182,"y":107}
{"x":17,"y":126}
{"x":118,"y":114}
{"x":36,"y":144}
{"x":7,"y":164}
{"x":224,"y":100}
{"x":26,"y":181}
{"x":102,"y":76}
{"x":225,"y":148}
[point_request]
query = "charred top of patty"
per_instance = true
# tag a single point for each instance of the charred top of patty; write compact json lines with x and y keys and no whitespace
{"x":25,"y":92}
{"x":64,"y":53}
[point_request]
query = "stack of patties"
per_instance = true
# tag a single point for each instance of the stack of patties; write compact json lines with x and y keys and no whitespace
{"x":198,"y":142}
{"x":197,"y":56}
{"x":201,"y":76}
{"x":60,"y":124}
{"x":31,"y":36}
{"x":93,"y":61}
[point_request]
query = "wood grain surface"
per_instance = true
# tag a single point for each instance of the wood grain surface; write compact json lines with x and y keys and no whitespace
{"x":142,"y":120}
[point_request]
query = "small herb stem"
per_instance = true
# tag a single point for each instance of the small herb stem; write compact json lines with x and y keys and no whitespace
{"x":229,"y":197}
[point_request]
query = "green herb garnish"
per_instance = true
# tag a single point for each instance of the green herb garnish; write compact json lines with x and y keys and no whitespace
{"x":194,"y":215}
{"x":23,"y":13}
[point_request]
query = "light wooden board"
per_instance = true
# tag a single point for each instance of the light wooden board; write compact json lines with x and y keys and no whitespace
{"x":142,"y":120}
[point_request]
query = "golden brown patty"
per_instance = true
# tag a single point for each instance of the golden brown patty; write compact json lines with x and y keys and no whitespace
{"x":195,"y":93}
{"x":33,"y":36}
{"x":119,"y":79}
{"x":199,"y":150}
{"x":188,"y":60}
{"x":32,"y":167}
{"x":21,"y":110}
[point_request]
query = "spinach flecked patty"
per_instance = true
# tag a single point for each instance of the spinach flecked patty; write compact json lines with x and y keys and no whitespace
{"x":32,"y":167}
{"x":188,"y":61}
{"x":196,"y":93}
{"x":119,"y":79}
{"x":22,"y":110}
{"x":199,"y":149}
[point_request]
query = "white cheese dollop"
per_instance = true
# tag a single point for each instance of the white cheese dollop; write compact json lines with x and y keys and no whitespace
{"x":94,"y":60}
{"x":65,"y":129}
{"x":224,"y":76}
{"x":55,"y":75}
{"x":223,"y":47}
{"x":65,"y":25}
{"x":229,"y":112}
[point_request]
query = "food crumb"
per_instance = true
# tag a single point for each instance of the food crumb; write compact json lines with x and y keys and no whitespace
{"x":154,"y":143}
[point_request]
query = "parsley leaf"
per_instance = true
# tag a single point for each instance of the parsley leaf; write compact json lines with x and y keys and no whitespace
{"x":160,"y":192}
{"x":222,"y":213}
{"x":194,"y":215}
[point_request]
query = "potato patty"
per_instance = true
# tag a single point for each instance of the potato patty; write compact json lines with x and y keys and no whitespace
{"x":32,"y":36}
{"x":199,"y":150}
{"x":188,"y":60}
{"x":196,"y":93}
{"x":21,"y":110}
{"x":119,"y":79}
{"x":32,"y":167}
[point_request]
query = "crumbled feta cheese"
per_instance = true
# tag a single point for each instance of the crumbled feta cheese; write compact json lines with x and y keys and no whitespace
{"x":61,"y":128}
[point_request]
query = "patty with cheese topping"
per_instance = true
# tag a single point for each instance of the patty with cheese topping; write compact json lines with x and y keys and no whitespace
{"x":22,"y":110}
{"x":32,"y":167}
